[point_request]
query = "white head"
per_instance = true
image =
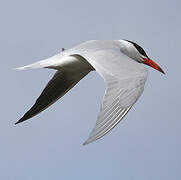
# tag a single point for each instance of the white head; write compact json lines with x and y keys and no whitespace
{"x":137,"y":53}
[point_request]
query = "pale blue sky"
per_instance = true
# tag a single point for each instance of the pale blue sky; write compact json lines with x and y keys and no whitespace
{"x":144,"y":146}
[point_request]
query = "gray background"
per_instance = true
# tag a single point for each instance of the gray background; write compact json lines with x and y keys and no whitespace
{"x":145,"y":145}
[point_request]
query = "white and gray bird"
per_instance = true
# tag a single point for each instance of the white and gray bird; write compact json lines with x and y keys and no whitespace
{"x":118,"y":62}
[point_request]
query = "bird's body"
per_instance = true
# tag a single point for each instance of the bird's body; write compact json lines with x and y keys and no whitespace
{"x":119,"y":62}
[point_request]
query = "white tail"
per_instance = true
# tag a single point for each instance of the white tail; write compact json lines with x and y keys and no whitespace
{"x":40,"y":64}
{"x":36,"y":65}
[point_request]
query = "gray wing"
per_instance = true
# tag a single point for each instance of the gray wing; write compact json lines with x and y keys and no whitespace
{"x":124,"y":79}
{"x":59,"y":85}
{"x":111,"y":111}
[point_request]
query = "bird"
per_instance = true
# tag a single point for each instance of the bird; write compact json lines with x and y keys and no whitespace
{"x":119,"y":62}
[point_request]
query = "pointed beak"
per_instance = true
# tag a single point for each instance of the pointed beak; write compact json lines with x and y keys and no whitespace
{"x":151,"y":63}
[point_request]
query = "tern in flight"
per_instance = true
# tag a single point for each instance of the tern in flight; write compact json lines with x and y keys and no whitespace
{"x":119,"y":62}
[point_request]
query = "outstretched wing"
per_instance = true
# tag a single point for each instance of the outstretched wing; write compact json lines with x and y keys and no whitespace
{"x":118,"y":99}
{"x":58,"y":86}
{"x":124,"y":79}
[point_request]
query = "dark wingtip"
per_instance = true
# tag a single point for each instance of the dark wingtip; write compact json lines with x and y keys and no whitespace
{"x":21,"y":120}
{"x":17,"y":122}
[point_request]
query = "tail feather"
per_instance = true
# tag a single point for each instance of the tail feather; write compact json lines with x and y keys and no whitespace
{"x":40,"y":64}
{"x":30,"y":66}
